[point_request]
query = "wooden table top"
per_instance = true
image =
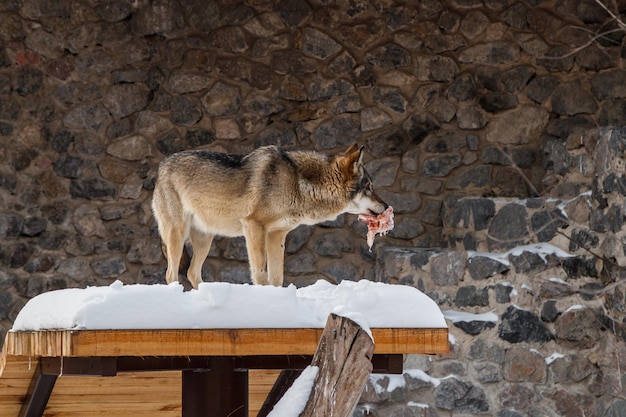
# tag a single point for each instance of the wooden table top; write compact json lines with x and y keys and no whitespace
{"x":209,"y":342}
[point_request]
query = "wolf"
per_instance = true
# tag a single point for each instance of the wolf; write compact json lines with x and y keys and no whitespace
{"x":262,"y":196}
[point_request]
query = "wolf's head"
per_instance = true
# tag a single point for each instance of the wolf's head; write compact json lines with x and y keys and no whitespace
{"x":363,"y":199}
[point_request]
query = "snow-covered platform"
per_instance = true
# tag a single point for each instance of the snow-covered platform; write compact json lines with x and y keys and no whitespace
{"x":213,"y":334}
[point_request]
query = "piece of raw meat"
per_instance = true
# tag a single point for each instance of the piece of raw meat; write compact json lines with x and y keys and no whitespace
{"x":380,"y":224}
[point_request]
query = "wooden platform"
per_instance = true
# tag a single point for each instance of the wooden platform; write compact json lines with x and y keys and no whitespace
{"x":158,"y":392}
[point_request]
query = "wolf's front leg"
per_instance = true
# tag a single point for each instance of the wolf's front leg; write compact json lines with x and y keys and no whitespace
{"x":254,"y":232}
{"x":275,"y":246}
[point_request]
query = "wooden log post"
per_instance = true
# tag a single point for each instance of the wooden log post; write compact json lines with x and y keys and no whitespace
{"x":344,"y":358}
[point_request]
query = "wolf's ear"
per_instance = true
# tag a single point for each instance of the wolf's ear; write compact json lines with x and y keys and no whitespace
{"x":351,"y":159}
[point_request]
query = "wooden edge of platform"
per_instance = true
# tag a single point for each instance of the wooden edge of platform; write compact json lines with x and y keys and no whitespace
{"x":208,"y":342}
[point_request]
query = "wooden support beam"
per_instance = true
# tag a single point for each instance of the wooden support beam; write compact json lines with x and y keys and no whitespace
{"x":38,"y":395}
{"x":343,"y":357}
{"x":221,"y":391}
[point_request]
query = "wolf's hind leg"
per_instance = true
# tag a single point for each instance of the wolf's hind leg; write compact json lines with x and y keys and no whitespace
{"x":254,"y":232}
{"x":174,"y":242}
{"x":275,"y":246}
{"x":201,"y":244}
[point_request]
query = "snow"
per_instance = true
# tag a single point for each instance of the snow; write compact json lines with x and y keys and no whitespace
{"x":541,"y":249}
{"x":224,"y":305}
{"x":554,"y":357}
{"x":456,"y":316}
{"x":293,"y":402}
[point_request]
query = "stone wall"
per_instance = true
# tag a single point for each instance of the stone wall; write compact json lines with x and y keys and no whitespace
{"x":533,"y":292}
{"x":454,"y":99}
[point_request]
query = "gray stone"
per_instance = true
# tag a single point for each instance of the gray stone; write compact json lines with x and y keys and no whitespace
{"x":222,"y":100}
{"x":549,"y":311}
{"x":235,"y":273}
{"x":517,"y":396}
{"x":373,"y":118}
{"x":524,"y":365}
{"x":86,"y":116}
{"x":478,"y":177}
{"x":293,"y":13}
{"x":185,"y":111}
{"x":522,"y":326}
{"x":383,"y":171}
{"x":570,"y":369}
{"x":463,"y":88}
{"x":498,"y":52}
{"x":109,"y":267}
{"x":114,"y":11}
{"x":11,"y":225}
{"x":133,"y":148}
{"x":436,"y":68}
{"x":321,"y":89}
{"x":580,"y":266}
{"x":496,"y":101}
{"x":285,"y":138}
{"x":440,"y":166}
{"x":546,"y":223}
{"x":471,"y":118}
{"x":517,"y":126}
{"x":318,"y":44}
{"x":338,"y":131}
{"x":401,"y":202}
{"x":541,"y":87}
{"x":231,"y":39}
{"x":69,"y":166}
{"x":616,"y":409}
{"x":439,"y":42}
{"x":389,"y":56}
{"x":473,"y":24}
{"x":407,"y":228}
{"x":92,"y":189}
{"x":262,"y":105}
{"x":595,"y":58}
{"x":528,"y":262}
{"x":474,"y":327}
{"x":571,"y":99}
{"x":482,"y":267}
{"x":508,"y":227}
{"x":340,"y":272}
{"x":442,"y":109}
{"x":125,"y":99}
{"x":556,"y":59}
{"x":29,"y":80}
{"x":160,"y":16}
{"x":16,"y":255}
{"x":332,"y":244}
{"x":292,"y":62}
{"x":611,"y":84}
{"x":470,"y":296}
{"x":418,"y":126}
{"x":304,"y":263}
{"x":503,"y":292}
{"x":460,"y":396}
{"x":483,"y":350}
{"x":389,"y":97}
{"x":34,"y":226}
{"x":447,"y":268}
{"x":445,"y":141}
{"x":480,"y":211}
{"x":488,"y":373}
{"x":612,"y":112}
{"x":184,"y":82}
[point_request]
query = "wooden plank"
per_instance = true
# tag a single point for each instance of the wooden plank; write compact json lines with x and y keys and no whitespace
{"x":209,"y":342}
{"x":344,"y":359}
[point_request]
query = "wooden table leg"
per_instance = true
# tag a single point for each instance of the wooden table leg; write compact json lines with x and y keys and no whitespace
{"x":221,"y":391}
{"x":39,"y":396}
